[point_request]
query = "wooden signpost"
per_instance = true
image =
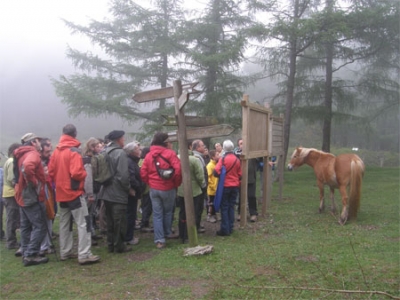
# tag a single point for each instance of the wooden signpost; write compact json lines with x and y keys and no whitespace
{"x":181,"y":95}
{"x":203,"y":132}
{"x":255,"y":130}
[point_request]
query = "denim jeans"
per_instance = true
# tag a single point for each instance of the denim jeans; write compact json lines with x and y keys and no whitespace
{"x":163,"y":203}
{"x":228,"y":202}
{"x":33,"y":228}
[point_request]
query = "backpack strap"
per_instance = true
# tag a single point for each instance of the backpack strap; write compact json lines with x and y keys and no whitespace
{"x":223,"y":160}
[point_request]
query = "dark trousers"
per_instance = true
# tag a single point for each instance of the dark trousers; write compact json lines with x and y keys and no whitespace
{"x":2,"y":233}
{"x":116,"y":226}
{"x":251,"y":199}
{"x":182,"y":215}
{"x":199,"y":207}
{"x":12,"y":221}
{"x":147,"y":209}
{"x":131,"y":216}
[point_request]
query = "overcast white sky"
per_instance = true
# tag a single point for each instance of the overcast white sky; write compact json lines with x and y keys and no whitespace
{"x":33,"y":42}
{"x":31,"y":27}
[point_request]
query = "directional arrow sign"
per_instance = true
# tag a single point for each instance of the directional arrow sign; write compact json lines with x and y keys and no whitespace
{"x":163,"y":93}
{"x":152,"y":95}
{"x":204,"y":132}
{"x":191,"y":121}
{"x":183,"y":99}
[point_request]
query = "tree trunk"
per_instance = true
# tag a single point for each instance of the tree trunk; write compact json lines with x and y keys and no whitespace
{"x":290,"y":86}
{"x":327,"y":125}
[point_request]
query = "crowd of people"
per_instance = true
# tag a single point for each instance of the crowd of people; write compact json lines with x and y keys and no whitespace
{"x":39,"y":183}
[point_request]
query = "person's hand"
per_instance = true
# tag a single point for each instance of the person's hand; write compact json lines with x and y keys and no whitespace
{"x":91,"y":199}
{"x":132,"y":192}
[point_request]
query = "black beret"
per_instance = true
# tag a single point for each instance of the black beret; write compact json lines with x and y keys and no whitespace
{"x":115,"y":134}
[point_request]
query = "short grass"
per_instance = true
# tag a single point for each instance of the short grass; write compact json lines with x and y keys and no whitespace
{"x":292,"y":253}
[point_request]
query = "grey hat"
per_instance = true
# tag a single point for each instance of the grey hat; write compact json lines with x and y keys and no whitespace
{"x":28,"y":137}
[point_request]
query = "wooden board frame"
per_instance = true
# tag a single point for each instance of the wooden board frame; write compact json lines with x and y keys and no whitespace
{"x":255,"y":135}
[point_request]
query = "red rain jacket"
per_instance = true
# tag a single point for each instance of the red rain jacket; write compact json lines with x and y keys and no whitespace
{"x":66,"y":169}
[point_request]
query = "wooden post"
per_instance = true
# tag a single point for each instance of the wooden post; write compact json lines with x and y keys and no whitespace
{"x":245,"y":167}
{"x":184,"y":157}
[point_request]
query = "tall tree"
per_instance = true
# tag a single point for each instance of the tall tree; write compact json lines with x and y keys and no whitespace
{"x":138,"y":47}
{"x":293,"y":32}
{"x":216,"y":52}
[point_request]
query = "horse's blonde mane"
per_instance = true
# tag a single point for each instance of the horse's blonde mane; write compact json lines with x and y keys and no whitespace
{"x":305,"y":151}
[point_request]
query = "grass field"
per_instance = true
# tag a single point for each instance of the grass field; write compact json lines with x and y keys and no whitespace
{"x":292,"y":253}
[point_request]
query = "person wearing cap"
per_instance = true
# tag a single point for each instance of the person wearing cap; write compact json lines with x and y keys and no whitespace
{"x":10,"y":204}
{"x":162,"y":190}
{"x":115,"y":194}
{"x":30,"y":195}
{"x":231,"y":187}
{"x":67,"y":171}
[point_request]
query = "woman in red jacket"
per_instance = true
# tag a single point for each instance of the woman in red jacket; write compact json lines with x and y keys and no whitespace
{"x":157,"y":165}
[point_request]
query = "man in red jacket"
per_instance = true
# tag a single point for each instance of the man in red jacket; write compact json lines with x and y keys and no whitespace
{"x":29,"y":194}
{"x":67,"y":171}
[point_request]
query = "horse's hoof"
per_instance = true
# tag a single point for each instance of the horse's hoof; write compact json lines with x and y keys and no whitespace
{"x":342,"y":221}
{"x":321,"y":210}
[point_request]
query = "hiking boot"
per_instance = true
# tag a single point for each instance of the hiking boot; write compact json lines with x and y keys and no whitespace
{"x":47,"y":251}
{"x":18,"y":253}
{"x":160,"y":245}
{"x":133,"y":241}
{"x":201,"y":230}
{"x":89,"y":259}
{"x":68,"y":256}
{"x":253,"y":218}
{"x":126,"y":249}
{"x":147,"y":229}
{"x":34,"y":260}
{"x":172,"y":236}
{"x":212,"y":219}
{"x":221,"y":233}
{"x":238,"y":218}
{"x":96,"y":237}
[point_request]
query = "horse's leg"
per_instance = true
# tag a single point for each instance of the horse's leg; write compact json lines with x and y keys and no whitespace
{"x":333,"y":209}
{"x":345,"y":208}
{"x":321,"y":196}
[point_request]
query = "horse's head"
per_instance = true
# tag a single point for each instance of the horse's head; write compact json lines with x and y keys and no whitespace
{"x":297,"y":159}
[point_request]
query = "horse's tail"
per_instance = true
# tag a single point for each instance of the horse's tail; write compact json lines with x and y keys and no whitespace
{"x":357,"y":173}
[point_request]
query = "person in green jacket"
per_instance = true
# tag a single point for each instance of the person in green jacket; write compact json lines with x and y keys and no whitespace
{"x":198,"y":183}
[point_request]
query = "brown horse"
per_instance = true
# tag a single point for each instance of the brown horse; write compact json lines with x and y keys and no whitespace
{"x":337,"y":172}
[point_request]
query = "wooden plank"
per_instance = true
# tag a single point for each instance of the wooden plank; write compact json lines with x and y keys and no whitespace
{"x":192,"y":121}
{"x":152,"y":95}
{"x":204,"y":132}
{"x":159,"y":94}
{"x":255,"y":154}
{"x":183,"y":99}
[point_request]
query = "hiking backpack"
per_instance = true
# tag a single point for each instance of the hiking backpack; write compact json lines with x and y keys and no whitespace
{"x":101,"y":170}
